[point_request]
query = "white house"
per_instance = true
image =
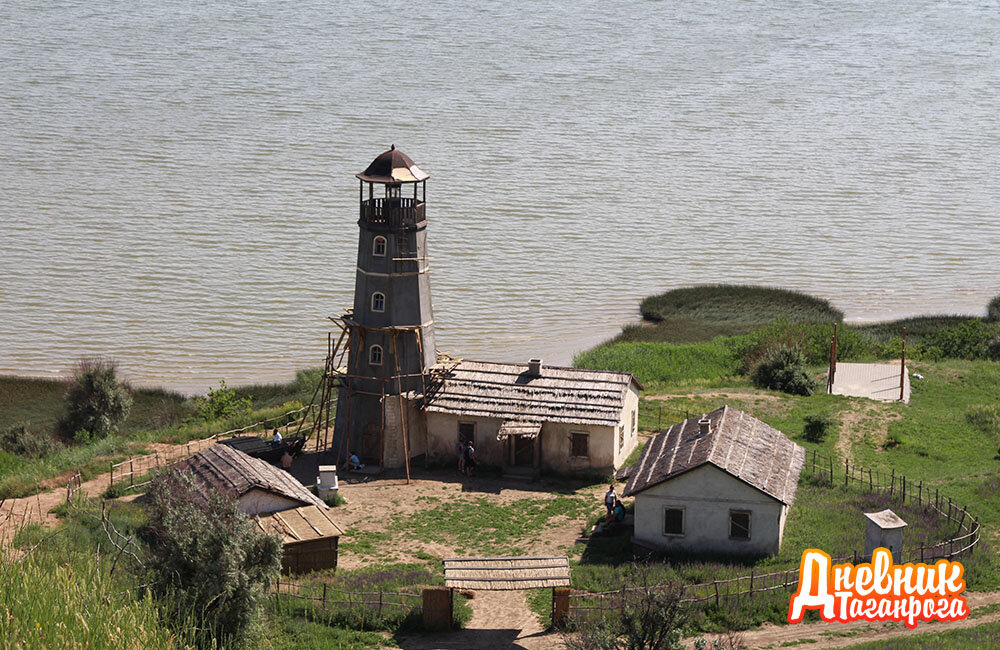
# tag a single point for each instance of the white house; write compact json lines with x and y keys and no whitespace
{"x":530,"y":418}
{"x":722,"y":483}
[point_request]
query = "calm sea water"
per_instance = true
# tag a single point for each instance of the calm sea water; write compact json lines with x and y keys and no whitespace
{"x":177,"y":190}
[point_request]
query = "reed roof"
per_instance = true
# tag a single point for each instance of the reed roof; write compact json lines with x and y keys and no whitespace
{"x":236,"y":473}
{"x":512,"y":392}
{"x":302,"y":524}
{"x":737,"y":443}
{"x":506,"y":573}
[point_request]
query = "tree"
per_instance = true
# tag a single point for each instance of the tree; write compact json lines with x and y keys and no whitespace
{"x":647,"y":617}
{"x":208,"y":560}
{"x":784,"y":369}
{"x":97,"y":403}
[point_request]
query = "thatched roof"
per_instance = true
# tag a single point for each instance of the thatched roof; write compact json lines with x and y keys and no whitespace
{"x":737,"y":443}
{"x":504,"y":573}
{"x":297,"y":525}
{"x":511,"y":392}
{"x":236,"y":473}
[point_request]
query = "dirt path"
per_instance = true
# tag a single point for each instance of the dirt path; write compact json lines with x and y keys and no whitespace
{"x":500,"y":620}
{"x":36,"y":509}
{"x":840,"y":635}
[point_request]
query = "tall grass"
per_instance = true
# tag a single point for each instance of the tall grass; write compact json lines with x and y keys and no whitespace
{"x":665,"y":362}
{"x":58,"y":598}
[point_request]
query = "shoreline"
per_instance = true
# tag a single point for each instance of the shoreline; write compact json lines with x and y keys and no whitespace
{"x":559,"y":351}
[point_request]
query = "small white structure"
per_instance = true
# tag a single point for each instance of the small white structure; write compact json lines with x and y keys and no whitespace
{"x":883,"y":530}
{"x":326,"y":483}
{"x":530,"y":418}
{"x":722,"y":483}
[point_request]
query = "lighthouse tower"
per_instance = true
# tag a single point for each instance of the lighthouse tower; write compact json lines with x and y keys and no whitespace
{"x":390,"y":330}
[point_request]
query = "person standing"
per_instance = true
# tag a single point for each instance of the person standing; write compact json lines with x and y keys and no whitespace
{"x":609,"y":500}
{"x":470,"y":458}
{"x":460,"y":448}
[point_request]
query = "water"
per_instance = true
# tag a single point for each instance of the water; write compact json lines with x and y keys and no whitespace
{"x":177,"y":190}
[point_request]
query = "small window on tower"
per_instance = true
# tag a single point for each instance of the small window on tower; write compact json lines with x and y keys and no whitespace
{"x":375,"y":355}
{"x":378,"y":246}
{"x":378,"y":301}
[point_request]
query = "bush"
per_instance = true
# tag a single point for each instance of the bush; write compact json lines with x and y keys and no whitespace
{"x":649,"y":617}
{"x":209,"y":559}
{"x":993,"y":310}
{"x":816,"y":427}
{"x":784,"y":369}
{"x":19,"y":441}
{"x":969,"y":340}
{"x":222,"y":403}
{"x":97,"y":403}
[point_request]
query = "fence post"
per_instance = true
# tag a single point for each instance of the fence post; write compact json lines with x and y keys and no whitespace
{"x":846,"y":470}
{"x":921,"y":552}
{"x":380,"y":601}
{"x":716,"y":584}
{"x":111,"y":475}
{"x":892,"y":481}
{"x":131,"y":472}
{"x":902,"y":491}
{"x":751,"y":572}
{"x":920,"y":493}
{"x":871,"y":486}
{"x":936,"y":502}
{"x":324,"y":595}
{"x":949,"y":508}
{"x":960,"y":521}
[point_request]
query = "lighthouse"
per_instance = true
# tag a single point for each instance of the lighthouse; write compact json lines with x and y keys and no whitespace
{"x":390,"y":329}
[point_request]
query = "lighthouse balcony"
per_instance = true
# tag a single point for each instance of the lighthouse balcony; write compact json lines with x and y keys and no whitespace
{"x":394,"y":211}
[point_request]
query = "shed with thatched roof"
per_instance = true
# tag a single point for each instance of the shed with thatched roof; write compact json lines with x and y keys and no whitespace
{"x":308,"y":535}
{"x":257,"y":486}
{"x":720,"y":483}
{"x":532,"y":418}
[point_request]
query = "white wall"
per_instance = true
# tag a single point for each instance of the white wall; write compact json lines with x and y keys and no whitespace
{"x":258,"y":502}
{"x":707,"y":494}
{"x":629,"y":415}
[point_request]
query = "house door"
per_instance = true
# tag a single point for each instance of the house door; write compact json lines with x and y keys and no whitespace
{"x":524,"y":451}
{"x":369,"y":444}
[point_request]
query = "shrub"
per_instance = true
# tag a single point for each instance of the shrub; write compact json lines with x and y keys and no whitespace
{"x":816,"y":427}
{"x":222,"y":403}
{"x":649,"y":617}
{"x":968,"y":340}
{"x":208,"y":558}
{"x":19,"y":441}
{"x":97,"y":403}
{"x":784,"y":369}
{"x":993,"y":310}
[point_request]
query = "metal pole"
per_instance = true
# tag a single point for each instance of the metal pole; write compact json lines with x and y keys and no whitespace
{"x":902,"y":367}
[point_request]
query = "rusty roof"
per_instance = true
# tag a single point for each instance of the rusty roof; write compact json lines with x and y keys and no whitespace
{"x":393,"y":167}
{"x":737,"y":443}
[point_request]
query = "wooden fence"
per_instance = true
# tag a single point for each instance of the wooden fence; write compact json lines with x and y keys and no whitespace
{"x":826,"y":468}
{"x":137,"y":471}
{"x":326,"y":596}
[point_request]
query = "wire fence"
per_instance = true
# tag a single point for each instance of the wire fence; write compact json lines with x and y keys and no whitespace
{"x":824,"y":468}
{"x":361,"y":605}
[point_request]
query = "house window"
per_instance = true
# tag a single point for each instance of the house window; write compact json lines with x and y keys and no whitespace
{"x":467,"y":432}
{"x":739,"y":524}
{"x":378,"y":301}
{"x":621,"y":436}
{"x":580,"y":445}
{"x":673,"y":521}
{"x":635,"y":429}
{"x":378,"y":246}
{"x":375,"y":355}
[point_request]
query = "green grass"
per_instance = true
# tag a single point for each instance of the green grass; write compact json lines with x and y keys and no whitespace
{"x":690,"y":365}
{"x":980,"y":636}
{"x":63,"y":596}
{"x":482,"y":527}
{"x":156,"y":416}
{"x":301,"y":633}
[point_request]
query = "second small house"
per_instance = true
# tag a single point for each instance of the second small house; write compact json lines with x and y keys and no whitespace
{"x":723,"y":483}
{"x":275,"y":500}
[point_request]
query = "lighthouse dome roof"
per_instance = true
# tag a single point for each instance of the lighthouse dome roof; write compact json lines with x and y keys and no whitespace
{"x":393,"y":167}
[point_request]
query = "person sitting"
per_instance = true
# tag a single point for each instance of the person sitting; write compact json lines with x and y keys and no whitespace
{"x":355,"y":462}
{"x":276,"y":438}
{"x":619,"y":511}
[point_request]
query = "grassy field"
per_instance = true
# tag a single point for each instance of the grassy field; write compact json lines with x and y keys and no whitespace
{"x":156,"y":416}
{"x":980,"y":636}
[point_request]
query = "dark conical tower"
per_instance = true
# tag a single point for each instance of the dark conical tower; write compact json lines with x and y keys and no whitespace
{"x":390,"y":331}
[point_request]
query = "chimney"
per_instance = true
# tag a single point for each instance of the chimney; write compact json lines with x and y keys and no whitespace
{"x":535,"y":367}
{"x":704,"y":427}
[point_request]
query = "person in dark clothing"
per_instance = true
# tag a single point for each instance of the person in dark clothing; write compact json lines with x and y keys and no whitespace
{"x":470,"y":458}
